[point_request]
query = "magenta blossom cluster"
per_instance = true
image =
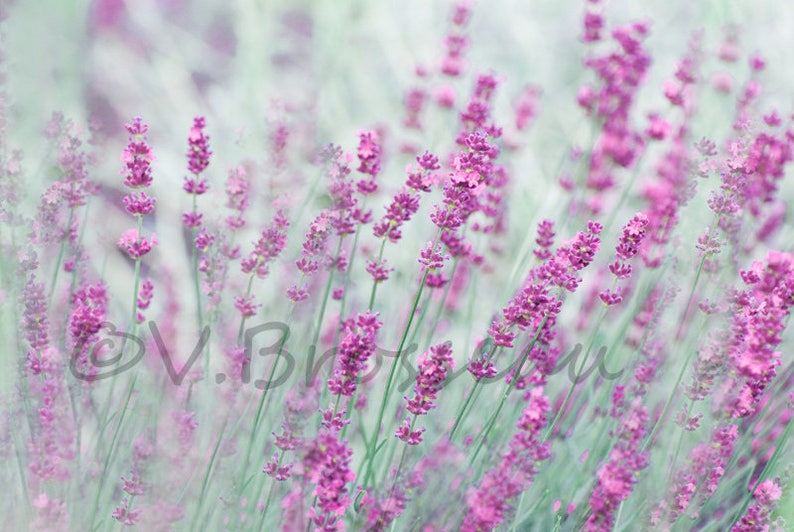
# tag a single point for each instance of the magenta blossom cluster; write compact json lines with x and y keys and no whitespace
{"x":345,"y":211}
{"x":620,"y":74}
{"x":628,"y":246}
{"x":406,"y":202}
{"x":766,"y":495}
{"x":136,"y":245}
{"x":137,"y":158}
{"x":369,"y":156}
{"x":271,"y":243}
{"x":357,"y":346}
{"x":327,"y":467}
{"x":402,"y":207}
{"x":618,"y":475}
{"x":198,"y":158}
{"x":453,"y":63}
{"x":700,"y":479}
{"x":89,"y":311}
{"x":144,"y":299}
{"x":759,"y":319}
{"x":238,"y":189}
{"x":466,"y":183}
{"x":313,"y":254}
{"x":35,"y":322}
{"x":544,"y":240}
{"x":490,"y":502}
{"x":534,"y":302}
{"x":434,"y":365}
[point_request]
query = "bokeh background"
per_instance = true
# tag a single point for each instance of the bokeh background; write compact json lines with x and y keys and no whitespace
{"x":329,"y":69}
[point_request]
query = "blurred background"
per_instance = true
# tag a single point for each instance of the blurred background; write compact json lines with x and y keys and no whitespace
{"x":325,"y":70}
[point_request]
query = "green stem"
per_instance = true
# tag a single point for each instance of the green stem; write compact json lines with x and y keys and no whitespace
{"x":469,"y":398}
{"x":270,"y":493}
{"x":376,"y":429}
{"x":486,"y":431}
{"x":680,"y":442}
{"x":781,"y":444}
{"x":60,"y":256}
{"x":241,"y":330}
{"x":261,"y":408}
{"x":207,"y":473}
{"x":109,"y":455}
{"x":321,"y":316}
{"x":375,"y":283}
{"x":133,"y":328}
{"x":561,"y":410}
{"x":197,"y":283}
{"x":684,"y":367}
{"x":402,"y":459}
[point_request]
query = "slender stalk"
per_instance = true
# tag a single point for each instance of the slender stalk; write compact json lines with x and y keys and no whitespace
{"x":133,"y":328}
{"x":261,"y":408}
{"x":489,"y":426}
{"x":376,"y":429}
{"x":684,"y":367}
{"x":60,"y":258}
{"x":104,"y":476}
{"x":780,"y":445}
{"x":375,"y":283}
{"x":196,"y":281}
{"x":270,"y":493}
{"x":561,"y":410}
{"x":241,"y":330}
{"x":469,"y":397}
{"x":207,"y":473}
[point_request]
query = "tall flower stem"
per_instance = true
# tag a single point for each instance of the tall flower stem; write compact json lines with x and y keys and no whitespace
{"x":483,"y":436}
{"x":196,"y":280}
{"x":261,"y":406}
{"x":779,"y":447}
{"x":321,"y":315}
{"x":269,"y":494}
{"x":561,"y":410}
{"x":684,"y":367}
{"x":207,"y":474}
{"x":133,"y":330}
{"x":470,"y":397}
{"x":59,"y":260}
{"x":375,"y":283}
{"x":372,"y":447}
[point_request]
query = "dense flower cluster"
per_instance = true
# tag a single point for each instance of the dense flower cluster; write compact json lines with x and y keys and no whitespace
{"x":647,"y":387}
{"x":326,"y":464}
{"x":369,"y":156}
{"x":89,"y":310}
{"x":313,"y":253}
{"x":534,"y":306}
{"x":618,"y":475}
{"x":137,"y":157}
{"x":490,"y":502}
{"x":198,"y":158}
{"x":628,"y":246}
{"x":35,"y":322}
{"x":358,"y":345}
{"x":758,"y":321}
{"x":271,"y":243}
{"x":470,"y":176}
{"x":766,"y":495}
{"x":620,"y":72}
{"x":433,"y":367}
